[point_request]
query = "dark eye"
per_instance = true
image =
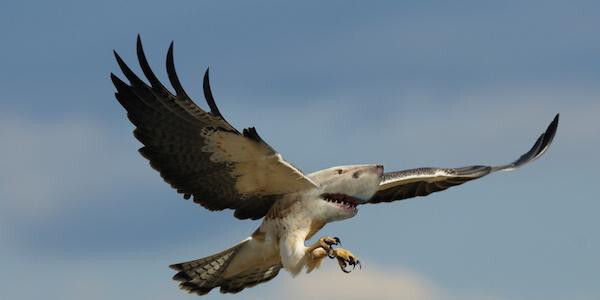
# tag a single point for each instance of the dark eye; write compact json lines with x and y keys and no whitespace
{"x":339,"y":171}
{"x":356,"y":174}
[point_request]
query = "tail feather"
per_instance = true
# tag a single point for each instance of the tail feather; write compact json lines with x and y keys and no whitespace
{"x":202,"y":275}
{"x":250,"y":278}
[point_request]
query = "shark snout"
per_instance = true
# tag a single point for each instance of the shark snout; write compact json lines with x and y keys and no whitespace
{"x":379,"y":170}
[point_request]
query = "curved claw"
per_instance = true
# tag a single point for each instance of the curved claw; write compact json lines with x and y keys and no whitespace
{"x":343,"y":264}
{"x":336,"y":241}
{"x":330,"y":254}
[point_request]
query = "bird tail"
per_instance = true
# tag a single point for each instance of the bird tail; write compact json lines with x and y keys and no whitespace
{"x":202,"y":275}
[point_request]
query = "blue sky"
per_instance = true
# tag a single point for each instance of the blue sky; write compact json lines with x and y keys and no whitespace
{"x":406,"y":84}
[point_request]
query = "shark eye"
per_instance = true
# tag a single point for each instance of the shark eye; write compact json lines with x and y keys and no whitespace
{"x":356,"y":174}
{"x":339,"y":171}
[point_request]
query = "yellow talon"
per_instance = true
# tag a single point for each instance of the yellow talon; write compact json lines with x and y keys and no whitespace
{"x":345,"y":258}
{"x":327,"y":242}
{"x":319,"y":250}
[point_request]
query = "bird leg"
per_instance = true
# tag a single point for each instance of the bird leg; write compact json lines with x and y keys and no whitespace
{"x":345,"y":258}
{"x":319,"y":250}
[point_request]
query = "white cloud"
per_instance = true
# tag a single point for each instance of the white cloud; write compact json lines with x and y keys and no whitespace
{"x":372,"y":282}
{"x":48,"y":165}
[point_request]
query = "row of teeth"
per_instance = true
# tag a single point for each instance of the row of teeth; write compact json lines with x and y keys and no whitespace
{"x":343,"y":203}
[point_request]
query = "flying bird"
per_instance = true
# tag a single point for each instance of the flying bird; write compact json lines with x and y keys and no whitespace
{"x":206,"y":159}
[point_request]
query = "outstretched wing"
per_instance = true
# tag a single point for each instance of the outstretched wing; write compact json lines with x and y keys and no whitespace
{"x":199,"y":153}
{"x":424,"y":181}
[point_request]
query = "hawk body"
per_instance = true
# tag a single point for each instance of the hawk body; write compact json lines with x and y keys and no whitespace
{"x":279,"y":242}
{"x":203,"y":157}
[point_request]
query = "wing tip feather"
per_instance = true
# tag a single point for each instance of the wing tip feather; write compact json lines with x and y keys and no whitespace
{"x":146,"y":69}
{"x":129,"y":74}
{"x":208,"y":96}
{"x":172,"y":73}
{"x":541,"y":145}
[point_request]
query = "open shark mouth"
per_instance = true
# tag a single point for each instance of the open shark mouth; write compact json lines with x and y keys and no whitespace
{"x":342,"y":200}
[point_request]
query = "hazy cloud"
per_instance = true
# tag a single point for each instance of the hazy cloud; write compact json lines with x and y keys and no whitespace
{"x":372,"y":283}
{"x":48,"y":165}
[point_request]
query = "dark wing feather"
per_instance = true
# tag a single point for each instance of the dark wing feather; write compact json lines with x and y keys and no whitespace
{"x":214,"y":110}
{"x":424,"y":181}
{"x":198,"y":153}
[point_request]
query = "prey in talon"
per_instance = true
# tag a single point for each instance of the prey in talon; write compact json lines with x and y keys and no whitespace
{"x":200,"y":154}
